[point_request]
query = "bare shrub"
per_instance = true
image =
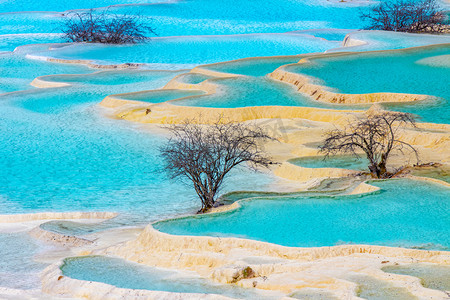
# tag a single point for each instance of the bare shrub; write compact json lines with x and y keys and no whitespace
{"x":205,"y":154}
{"x":375,"y":135}
{"x":107,"y":28}
{"x":406,"y":16}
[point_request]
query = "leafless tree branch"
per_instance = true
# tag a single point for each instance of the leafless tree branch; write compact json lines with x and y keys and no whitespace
{"x":375,"y":135}
{"x":105,"y":27}
{"x":406,"y":16}
{"x":205,"y":154}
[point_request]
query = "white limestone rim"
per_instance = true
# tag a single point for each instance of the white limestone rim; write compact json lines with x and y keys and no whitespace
{"x":122,"y":97}
{"x":18,"y":218}
{"x":55,"y":283}
{"x":89,"y":63}
{"x":44,"y":82}
{"x":58,"y":238}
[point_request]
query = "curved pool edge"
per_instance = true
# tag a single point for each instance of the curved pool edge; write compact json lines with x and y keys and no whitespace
{"x":55,"y":283}
{"x":44,"y":82}
{"x":220,"y":259}
{"x":324,"y":93}
{"x":17,"y":218}
{"x":199,"y":254}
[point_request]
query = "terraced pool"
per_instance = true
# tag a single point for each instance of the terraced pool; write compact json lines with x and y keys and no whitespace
{"x":432,"y":276}
{"x":342,"y":162}
{"x":64,"y":155}
{"x":248,"y":91}
{"x":158,"y":96}
{"x":414,"y":71}
{"x":124,"y":274}
{"x":60,"y":153}
{"x":189,"y":51}
{"x":405,"y":213}
{"x":253,"y":66}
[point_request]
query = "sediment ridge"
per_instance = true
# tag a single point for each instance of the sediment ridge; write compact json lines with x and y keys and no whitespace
{"x":55,"y":216}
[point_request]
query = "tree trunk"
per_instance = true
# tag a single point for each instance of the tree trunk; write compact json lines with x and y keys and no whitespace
{"x":378,"y":170}
{"x":382,"y":169}
{"x":206,"y":206}
{"x":374,"y":171}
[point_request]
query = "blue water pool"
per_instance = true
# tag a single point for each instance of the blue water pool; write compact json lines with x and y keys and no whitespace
{"x":124,"y":274}
{"x":17,"y":72}
{"x":18,"y":268}
{"x":249,"y":91}
{"x":408,"y":73}
{"x":159,"y":96}
{"x":253,"y":66}
{"x":111,"y":78}
{"x":437,"y":173}
{"x":193,"y":78}
{"x":371,"y":288}
{"x":432,"y":276}
{"x":62,"y":154}
{"x":342,"y":162}
{"x":405,"y":213}
{"x":184,"y":52}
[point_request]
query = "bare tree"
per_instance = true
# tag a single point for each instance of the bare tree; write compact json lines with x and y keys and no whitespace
{"x":104,"y":27}
{"x":205,"y":154}
{"x":406,"y":16}
{"x":375,"y":135}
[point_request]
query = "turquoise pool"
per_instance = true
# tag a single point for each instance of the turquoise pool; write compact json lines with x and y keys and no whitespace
{"x":159,"y":96}
{"x":111,"y":78}
{"x":193,"y":78}
{"x":407,"y":74}
{"x":371,"y":288}
{"x":183,"y":52}
{"x":249,"y":91}
{"x":432,"y":276}
{"x":405,"y":213}
{"x":437,"y":173}
{"x":17,"y":72}
{"x":129,"y":275}
{"x":18,"y":268}
{"x":253,"y":66}
{"x":341,"y":162}
{"x":64,"y":155}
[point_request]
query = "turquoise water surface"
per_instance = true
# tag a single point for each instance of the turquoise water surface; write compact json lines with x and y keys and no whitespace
{"x":18,"y":269}
{"x":129,"y":275}
{"x":193,"y":78}
{"x":159,"y":96}
{"x":253,"y":66}
{"x":17,"y":72}
{"x":342,"y":162}
{"x":189,"y":51}
{"x":406,"y":75}
{"x":62,"y":154}
{"x":248,"y":91}
{"x":405,"y":213}
{"x":432,"y":276}
{"x":372,"y":288}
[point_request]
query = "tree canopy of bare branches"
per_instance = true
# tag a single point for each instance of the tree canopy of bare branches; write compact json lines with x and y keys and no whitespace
{"x":406,"y":16}
{"x":375,"y":135}
{"x":104,"y":27}
{"x":205,"y":154}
